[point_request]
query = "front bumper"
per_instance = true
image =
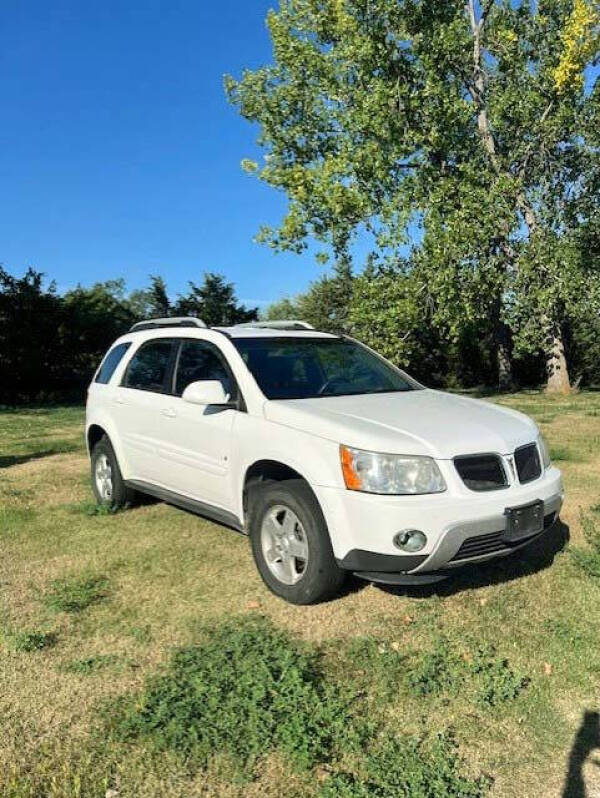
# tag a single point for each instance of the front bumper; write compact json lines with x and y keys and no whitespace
{"x":460,"y":529}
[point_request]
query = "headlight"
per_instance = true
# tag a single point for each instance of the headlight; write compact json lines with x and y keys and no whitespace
{"x":372,"y":472}
{"x":544,"y":451}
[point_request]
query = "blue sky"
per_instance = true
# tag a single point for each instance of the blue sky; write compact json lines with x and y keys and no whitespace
{"x":119,"y":155}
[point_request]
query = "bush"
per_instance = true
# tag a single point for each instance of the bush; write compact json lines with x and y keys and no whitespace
{"x":246,"y":690}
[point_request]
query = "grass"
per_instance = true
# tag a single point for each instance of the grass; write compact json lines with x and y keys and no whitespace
{"x":29,"y":641}
{"x":245,"y":690}
{"x":479,"y":685}
{"x":75,"y":593}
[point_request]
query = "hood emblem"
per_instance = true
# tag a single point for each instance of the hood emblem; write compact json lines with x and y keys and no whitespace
{"x":511,"y":464}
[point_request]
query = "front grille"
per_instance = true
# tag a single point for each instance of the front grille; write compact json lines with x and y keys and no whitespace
{"x":481,"y":471}
{"x":492,"y":543}
{"x":527,"y":461}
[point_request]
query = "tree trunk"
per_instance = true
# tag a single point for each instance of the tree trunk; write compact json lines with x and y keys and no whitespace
{"x":505,"y":378}
{"x":556,"y":366}
{"x":502,"y":342}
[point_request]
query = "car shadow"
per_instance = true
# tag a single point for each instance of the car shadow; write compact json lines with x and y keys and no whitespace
{"x":586,"y":740}
{"x":535,"y":557}
{"x":8,"y":460}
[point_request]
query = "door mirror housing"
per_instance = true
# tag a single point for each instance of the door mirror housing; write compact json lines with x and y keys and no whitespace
{"x":206,"y":392}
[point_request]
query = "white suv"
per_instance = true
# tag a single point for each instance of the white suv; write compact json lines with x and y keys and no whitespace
{"x":329,"y":457}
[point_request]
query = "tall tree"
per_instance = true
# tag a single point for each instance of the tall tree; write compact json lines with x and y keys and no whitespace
{"x":214,"y":302}
{"x":376,"y":113}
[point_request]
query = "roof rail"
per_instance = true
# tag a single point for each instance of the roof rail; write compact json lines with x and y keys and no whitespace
{"x":290,"y":324}
{"x":175,"y":321}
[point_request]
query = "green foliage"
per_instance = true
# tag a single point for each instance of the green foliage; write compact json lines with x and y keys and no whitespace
{"x":52,"y":344}
{"x":407,"y":767}
{"x":470,"y":120}
{"x":560,"y":454}
{"x":478,"y":672}
{"x":33,"y":640}
{"x":436,"y":671}
{"x":92,"y":509}
{"x":245,"y":690}
{"x":325,"y":304}
{"x":213,"y":301}
{"x":381,"y":665}
{"x":497,"y":682}
{"x":387,"y":312}
{"x":90,"y":665}
{"x":76,"y":593}
{"x":588,"y":559}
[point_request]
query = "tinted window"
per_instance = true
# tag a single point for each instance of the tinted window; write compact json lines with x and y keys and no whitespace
{"x":148,"y":368}
{"x":296,"y":368}
{"x":200,"y":361}
{"x":110,"y":363}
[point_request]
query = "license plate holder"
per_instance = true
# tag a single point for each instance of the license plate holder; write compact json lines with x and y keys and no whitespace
{"x":524,"y":521}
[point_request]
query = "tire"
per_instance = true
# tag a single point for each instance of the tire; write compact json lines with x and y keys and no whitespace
{"x":111,"y":490}
{"x":303,"y":569}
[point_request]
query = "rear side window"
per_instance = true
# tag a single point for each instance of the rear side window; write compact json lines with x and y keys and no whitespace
{"x":110,"y":363}
{"x":149,"y":367}
{"x":200,"y":361}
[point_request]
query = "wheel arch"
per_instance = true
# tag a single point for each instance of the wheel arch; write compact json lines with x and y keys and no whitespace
{"x":93,"y":434}
{"x":101,"y":425}
{"x":268,"y":470}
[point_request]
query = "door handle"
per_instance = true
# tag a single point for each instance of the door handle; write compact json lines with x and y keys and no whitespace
{"x":118,"y":400}
{"x":168,"y":412}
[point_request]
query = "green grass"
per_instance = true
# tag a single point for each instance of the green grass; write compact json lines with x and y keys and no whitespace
{"x":75,"y":593}
{"x":29,"y":641}
{"x":246,"y":689}
{"x":89,"y":665}
{"x":31,"y":433}
{"x":407,"y":767}
{"x":122,"y":631}
{"x":588,"y":558}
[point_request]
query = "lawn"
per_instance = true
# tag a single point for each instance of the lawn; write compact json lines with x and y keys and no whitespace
{"x":141,"y":655}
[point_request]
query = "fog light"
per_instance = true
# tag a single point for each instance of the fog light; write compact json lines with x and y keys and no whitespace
{"x":410,"y":540}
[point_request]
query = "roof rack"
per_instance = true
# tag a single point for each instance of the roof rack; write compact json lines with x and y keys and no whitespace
{"x":175,"y":321}
{"x":290,"y":324}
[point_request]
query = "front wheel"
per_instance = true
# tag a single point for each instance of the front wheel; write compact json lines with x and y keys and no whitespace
{"x":291,"y":544}
{"x":107,"y":481}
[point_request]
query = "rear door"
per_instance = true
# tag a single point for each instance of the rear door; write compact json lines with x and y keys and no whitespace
{"x":196,"y":440}
{"x":139,"y":403}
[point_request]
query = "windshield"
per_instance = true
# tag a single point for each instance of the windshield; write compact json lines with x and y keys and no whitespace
{"x":306,"y":368}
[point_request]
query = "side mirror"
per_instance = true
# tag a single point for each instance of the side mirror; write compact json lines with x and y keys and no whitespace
{"x":206,"y":392}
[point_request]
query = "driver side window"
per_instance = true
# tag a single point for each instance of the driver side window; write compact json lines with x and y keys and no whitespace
{"x":200,"y":361}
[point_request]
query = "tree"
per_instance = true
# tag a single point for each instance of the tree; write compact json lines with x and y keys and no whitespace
{"x":214,"y":302}
{"x":325,"y":305}
{"x":92,"y":318}
{"x":30,"y":315}
{"x":283,"y":309}
{"x":379,"y":113}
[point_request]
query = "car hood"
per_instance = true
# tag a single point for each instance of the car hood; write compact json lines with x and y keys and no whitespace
{"x":425,"y":422}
